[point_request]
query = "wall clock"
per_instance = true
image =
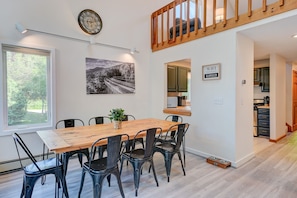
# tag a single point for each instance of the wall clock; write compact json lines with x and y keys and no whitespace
{"x":90,"y":22}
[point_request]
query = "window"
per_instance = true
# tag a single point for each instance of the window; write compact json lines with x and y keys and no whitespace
{"x":27,"y":88}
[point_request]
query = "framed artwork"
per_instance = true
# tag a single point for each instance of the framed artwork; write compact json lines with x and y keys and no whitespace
{"x":109,"y":77}
{"x":211,"y":72}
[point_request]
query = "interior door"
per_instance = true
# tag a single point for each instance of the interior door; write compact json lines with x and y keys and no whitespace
{"x":294,"y":116}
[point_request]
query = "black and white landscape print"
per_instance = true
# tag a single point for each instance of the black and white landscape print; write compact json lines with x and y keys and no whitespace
{"x":109,"y":77}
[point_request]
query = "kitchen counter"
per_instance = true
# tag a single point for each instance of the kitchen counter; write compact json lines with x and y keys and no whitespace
{"x":180,"y":110}
{"x":264,"y":107}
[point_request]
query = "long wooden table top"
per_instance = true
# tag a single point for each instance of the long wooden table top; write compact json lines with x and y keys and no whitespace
{"x":74,"y":138}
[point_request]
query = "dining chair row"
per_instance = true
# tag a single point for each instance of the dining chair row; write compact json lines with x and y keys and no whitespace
{"x":103,"y":167}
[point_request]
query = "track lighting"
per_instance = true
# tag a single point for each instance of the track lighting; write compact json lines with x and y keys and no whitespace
{"x":91,"y":40}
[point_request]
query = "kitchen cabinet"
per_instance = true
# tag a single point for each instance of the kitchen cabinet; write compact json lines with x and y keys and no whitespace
{"x":263,"y":121}
{"x":177,"y":79}
{"x":265,"y":79}
{"x":257,"y":76}
{"x":261,"y":78}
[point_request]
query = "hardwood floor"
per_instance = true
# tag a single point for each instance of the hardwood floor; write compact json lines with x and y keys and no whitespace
{"x":272,"y":173}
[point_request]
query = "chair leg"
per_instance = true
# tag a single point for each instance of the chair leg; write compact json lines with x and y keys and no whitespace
{"x":117,"y":174}
{"x":29,"y":186}
{"x":82,"y":181}
{"x":122,"y":161}
{"x":168,"y":161}
{"x":181,"y":162}
{"x":97,"y":185}
{"x":153,"y":167}
{"x":137,"y":169}
{"x":108,"y":179}
{"x":62,"y":179}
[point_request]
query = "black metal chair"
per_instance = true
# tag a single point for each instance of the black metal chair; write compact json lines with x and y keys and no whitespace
{"x":38,"y":169}
{"x":66,"y":124}
{"x":99,"y":120}
{"x":138,"y":156}
{"x":170,"y":148}
{"x":174,"y":118}
{"x":102,"y":167}
{"x":139,"y":140}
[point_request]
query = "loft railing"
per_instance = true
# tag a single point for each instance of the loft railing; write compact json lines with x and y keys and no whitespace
{"x":185,"y":20}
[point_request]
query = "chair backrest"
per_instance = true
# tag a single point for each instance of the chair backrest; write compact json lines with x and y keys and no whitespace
{"x":98,"y":120}
{"x":179,"y":135}
{"x":19,"y":142}
{"x":69,"y":123}
{"x":175,"y":118}
{"x":128,"y":117}
{"x":149,"y":135}
{"x":114,"y":149}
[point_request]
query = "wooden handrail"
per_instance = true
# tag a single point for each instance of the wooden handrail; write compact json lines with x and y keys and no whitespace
{"x":178,"y":27}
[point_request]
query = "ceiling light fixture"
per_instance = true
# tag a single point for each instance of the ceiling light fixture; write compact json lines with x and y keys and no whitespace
{"x":21,"y":28}
{"x":294,"y":36}
{"x":91,"y":40}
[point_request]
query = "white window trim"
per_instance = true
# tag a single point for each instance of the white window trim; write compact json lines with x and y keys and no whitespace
{"x":52,"y":98}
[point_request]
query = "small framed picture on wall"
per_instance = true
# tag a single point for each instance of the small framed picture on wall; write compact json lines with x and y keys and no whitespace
{"x":211,"y":72}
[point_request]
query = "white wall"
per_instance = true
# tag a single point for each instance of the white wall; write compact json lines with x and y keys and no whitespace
{"x":125,"y":24}
{"x":277,"y":97}
{"x":213,"y":120}
{"x":244,"y":99}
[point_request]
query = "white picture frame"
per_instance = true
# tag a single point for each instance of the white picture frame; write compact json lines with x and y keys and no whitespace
{"x":211,"y":72}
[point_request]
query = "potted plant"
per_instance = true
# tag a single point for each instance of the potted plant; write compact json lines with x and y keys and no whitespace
{"x":117,"y":115}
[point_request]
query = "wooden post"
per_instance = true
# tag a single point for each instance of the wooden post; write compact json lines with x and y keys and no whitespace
{"x":196,"y":17}
{"x":225,"y":13}
{"x":250,"y":8}
{"x":281,"y":2}
{"x":214,"y":12}
{"x":236,"y":10}
{"x":204,"y":16}
{"x":264,"y":6}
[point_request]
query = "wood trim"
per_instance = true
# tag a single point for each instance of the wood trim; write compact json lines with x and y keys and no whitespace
{"x":278,"y":139}
{"x":178,"y":111}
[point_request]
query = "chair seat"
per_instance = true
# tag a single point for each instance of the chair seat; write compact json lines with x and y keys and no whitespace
{"x":165,"y":147}
{"x":43,"y":165}
{"x":136,"y":154}
{"x":97,"y":165}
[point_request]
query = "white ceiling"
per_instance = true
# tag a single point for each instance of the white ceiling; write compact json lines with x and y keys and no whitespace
{"x":275,"y":37}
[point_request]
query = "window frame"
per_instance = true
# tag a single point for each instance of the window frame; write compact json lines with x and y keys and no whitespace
{"x":51,"y":87}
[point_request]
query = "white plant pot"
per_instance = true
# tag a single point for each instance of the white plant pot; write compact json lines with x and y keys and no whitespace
{"x":117,"y":124}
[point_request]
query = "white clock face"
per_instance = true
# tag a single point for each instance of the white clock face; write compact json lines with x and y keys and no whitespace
{"x":90,"y":22}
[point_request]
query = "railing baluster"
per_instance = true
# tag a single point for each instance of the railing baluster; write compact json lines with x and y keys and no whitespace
{"x":225,"y":13}
{"x":236,"y":11}
{"x":196,"y":17}
{"x":204,"y":16}
{"x":180,"y":20}
{"x":174,"y":22}
{"x":281,"y":2}
{"x":264,"y":6}
{"x":167,"y":27}
{"x":250,"y":8}
{"x":162,"y":26}
{"x":214,"y":13}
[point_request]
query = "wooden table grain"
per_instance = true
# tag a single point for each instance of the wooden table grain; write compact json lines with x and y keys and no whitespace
{"x":75,"y":138}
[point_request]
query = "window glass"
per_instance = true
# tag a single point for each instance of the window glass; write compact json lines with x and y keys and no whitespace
{"x":27,"y":87}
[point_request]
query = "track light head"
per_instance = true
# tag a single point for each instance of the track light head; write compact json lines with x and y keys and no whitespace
{"x":20,"y":28}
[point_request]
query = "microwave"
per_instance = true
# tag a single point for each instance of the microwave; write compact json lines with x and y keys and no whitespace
{"x":171,"y":102}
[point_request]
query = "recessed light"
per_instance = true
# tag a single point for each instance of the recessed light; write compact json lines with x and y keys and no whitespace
{"x":294,"y":36}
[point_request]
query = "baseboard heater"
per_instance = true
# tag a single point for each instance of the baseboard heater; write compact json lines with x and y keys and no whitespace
{"x":10,"y":166}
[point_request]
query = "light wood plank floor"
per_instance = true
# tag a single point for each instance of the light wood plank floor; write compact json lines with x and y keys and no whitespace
{"x":272,"y":173}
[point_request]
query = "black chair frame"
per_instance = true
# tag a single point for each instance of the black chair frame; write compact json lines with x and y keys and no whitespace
{"x":138,"y":156}
{"x":169,"y":148}
{"x":102,"y":167}
{"x":65,"y":156}
{"x":38,"y":169}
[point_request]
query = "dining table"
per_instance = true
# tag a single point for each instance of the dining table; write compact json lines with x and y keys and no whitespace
{"x":69,"y":139}
{"x":75,"y":138}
